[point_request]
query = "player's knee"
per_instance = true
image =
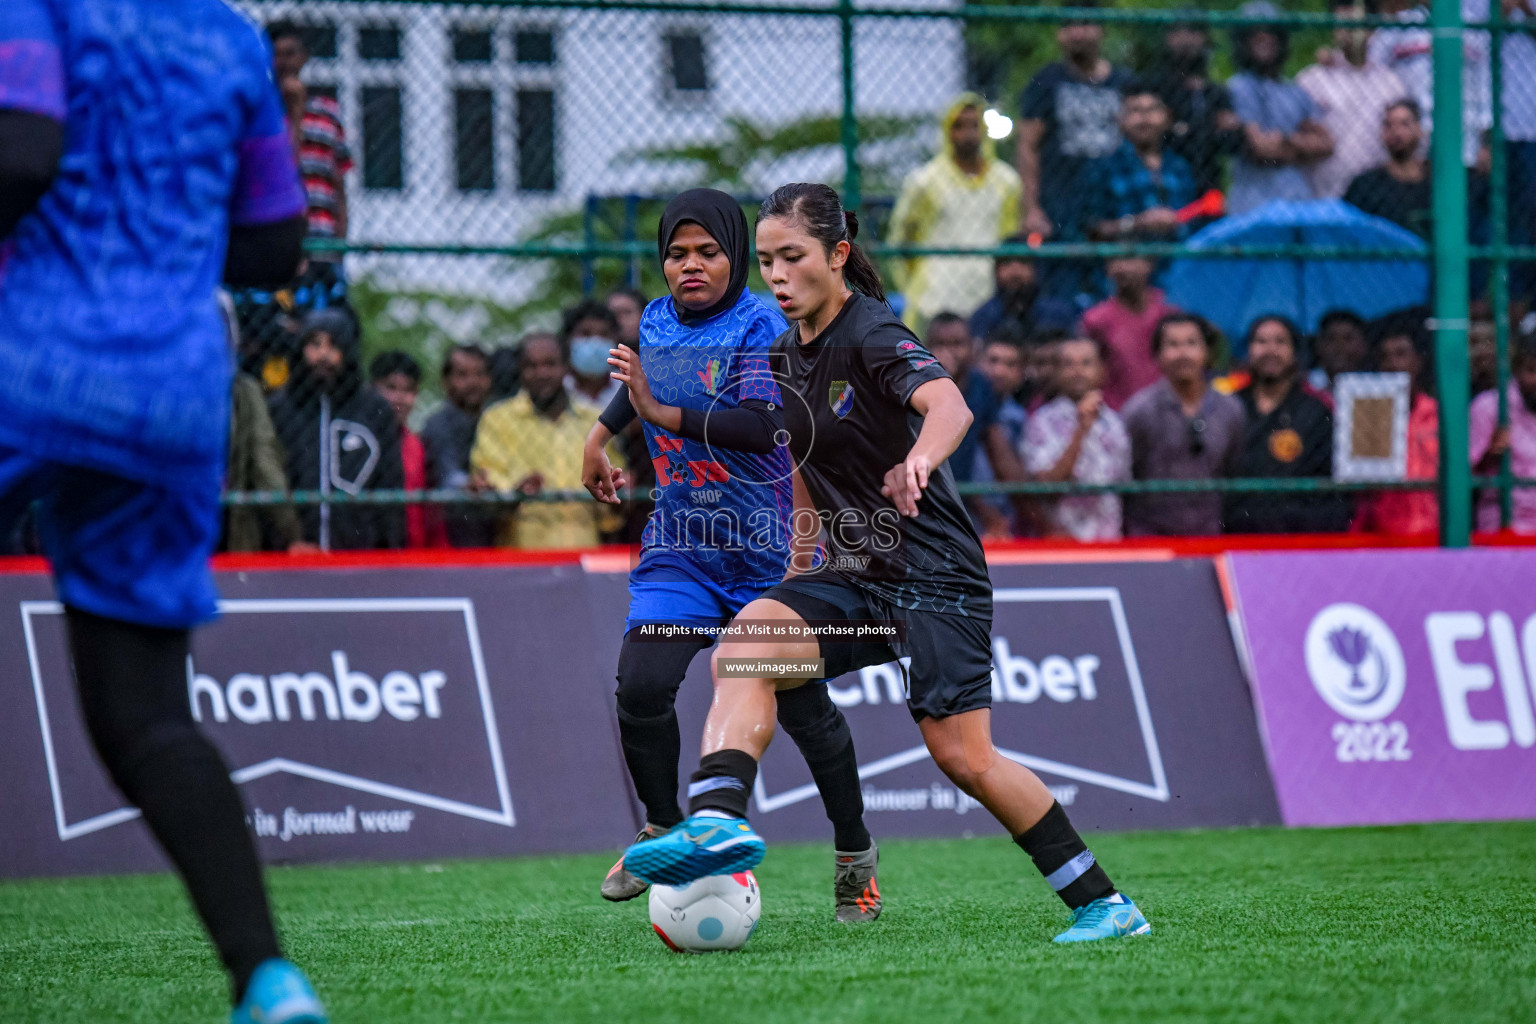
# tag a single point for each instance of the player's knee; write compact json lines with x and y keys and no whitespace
{"x":645,"y":691}
{"x":124,"y":750}
{"x":952,"y":762}
{"x":737,"y":651}
{"x":966,"y":767}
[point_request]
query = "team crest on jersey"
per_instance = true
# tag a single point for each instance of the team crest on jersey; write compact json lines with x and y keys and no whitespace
{"x":710,"y":375}
{"x":840,"y":397}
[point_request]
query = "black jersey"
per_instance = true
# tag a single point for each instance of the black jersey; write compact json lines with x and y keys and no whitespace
{"x":845,"y":407}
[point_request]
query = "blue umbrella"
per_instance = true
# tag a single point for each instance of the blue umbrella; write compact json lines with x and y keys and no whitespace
{"x":1232,"y":293}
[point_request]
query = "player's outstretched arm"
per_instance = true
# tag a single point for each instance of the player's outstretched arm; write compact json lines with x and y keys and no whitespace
{"x":267,"y":205}
{"x":30,"y":147}
{"x":946,"y":418}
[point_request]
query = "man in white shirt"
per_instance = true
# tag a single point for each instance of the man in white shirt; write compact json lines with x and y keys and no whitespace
{"x":1076,"y":436}
{"x":1517,"y":61}
{"x":1351,"y":95}
{"x":1407,"y":52}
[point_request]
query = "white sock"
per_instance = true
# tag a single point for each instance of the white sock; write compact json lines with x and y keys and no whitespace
{"x":710,"y":812}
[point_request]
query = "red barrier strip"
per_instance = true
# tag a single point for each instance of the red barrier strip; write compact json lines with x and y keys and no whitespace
{"x":616,"y":558}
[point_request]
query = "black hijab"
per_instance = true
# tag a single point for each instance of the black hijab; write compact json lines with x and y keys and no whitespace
{"x":721,"y":216}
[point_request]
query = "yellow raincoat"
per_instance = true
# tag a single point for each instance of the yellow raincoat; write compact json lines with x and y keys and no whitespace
{"x":942,"y":205}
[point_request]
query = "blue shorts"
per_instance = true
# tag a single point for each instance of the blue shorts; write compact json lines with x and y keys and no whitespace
{"x":120,"y":549}
{"x":664,"y":594}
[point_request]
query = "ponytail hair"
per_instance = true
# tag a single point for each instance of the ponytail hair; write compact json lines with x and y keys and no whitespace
{"x":819,"y":209}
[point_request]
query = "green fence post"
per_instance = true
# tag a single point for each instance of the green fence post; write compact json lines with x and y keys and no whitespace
{"x":852,"y":186}
{"x":1451,"y":270}
{"x":1498,"y":210}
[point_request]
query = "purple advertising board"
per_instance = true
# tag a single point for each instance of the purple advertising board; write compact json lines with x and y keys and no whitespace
{"x":1394,"y":686}
{"x":1118,"y":683}
{"x":367,"y":714}
{"x":409,"y":713}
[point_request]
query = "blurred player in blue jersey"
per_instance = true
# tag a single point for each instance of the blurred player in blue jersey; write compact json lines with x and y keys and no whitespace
{"x":143,"y":159}
{"x":721,"y":533}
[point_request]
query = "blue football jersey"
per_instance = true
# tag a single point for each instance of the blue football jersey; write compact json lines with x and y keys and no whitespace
{"x":113,"y":352}
{"x":721,"y":514}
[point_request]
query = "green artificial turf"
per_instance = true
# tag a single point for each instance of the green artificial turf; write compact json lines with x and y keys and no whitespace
{"x":1403,"y":924}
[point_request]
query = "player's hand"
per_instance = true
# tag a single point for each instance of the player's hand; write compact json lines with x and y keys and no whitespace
{"x":531,"y":484}
{"x":905,"y":483}
{"x":1088,"y":409}
{"x":626,"y":368}
{"x":599,"y":476}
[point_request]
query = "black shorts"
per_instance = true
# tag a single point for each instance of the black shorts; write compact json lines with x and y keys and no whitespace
{"x":951,"y":666}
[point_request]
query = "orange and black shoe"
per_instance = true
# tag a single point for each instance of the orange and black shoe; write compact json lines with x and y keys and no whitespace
{"x":620,"y":885}
{"x":855,"y":885}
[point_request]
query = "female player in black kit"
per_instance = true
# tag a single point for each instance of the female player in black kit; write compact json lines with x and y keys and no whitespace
{"x":879,"y":418}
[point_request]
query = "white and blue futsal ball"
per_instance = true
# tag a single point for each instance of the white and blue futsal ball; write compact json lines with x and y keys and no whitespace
{"x":712,"y":914}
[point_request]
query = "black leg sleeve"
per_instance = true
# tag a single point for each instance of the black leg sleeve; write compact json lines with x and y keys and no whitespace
{"x":649,"y":675}
{"x":132,"y":682}
{"x":821,"y":732}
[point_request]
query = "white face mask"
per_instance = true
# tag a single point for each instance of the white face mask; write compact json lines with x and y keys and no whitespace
{"x":589,"y":355}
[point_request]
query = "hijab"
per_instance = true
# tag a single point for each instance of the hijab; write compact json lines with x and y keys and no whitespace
{"x":721,"y":216}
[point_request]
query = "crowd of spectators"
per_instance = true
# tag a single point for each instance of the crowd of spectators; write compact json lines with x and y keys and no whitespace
{"x":1111,"y":153}
{"x":1076,"y":371}
{"x":1116,"y":384}
{"x":329,"y":429}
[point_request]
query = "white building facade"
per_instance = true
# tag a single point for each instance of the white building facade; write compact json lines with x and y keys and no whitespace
{"x":469,"y":125}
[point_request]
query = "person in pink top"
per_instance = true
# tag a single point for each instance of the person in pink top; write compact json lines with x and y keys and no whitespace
{"x":1124,"y":324}
{"x":1400,"y":348}
{"x":1489,"y":441}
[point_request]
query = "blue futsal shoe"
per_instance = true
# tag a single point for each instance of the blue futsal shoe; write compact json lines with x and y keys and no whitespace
{"x":279,"y":994}
{"x":1113,"y":917}
{"x":700,"y":846}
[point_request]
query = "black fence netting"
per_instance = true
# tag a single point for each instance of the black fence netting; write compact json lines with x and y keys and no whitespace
{"x":1041,"y":188}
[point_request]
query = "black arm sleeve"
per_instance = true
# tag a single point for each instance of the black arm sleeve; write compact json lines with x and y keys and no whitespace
{"x":620,"y":413}
{"x":265,"y":255}
{"x":30,"y":148}
{"x":752,"y":427}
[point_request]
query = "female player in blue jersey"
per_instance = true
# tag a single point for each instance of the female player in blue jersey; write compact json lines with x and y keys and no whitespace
{"x":143,"y":157}
{"x":879,"y":418}
{"x":721,"y":532}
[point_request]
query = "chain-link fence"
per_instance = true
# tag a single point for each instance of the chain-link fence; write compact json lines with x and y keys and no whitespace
{"x":1025,"y":176}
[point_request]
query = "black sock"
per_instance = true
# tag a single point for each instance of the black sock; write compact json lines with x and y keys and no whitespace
{"x":133,"y":695}
{"x":1066,"y":862}
{"x":648,"y":677}
{"x":722,"y":783}
{"x":652,"y":747}
{"x":821,"y":732}
{"x":837,"y":779}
